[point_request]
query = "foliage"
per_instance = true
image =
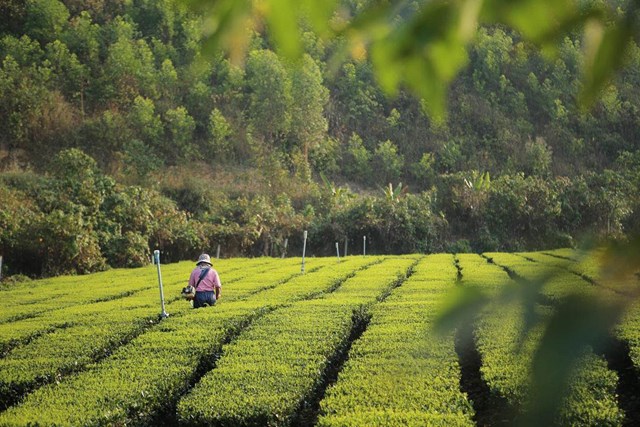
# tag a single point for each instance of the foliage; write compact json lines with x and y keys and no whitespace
{"x":387,"y":164}
{"x":79,"y":219}
{"x":429,"y":47}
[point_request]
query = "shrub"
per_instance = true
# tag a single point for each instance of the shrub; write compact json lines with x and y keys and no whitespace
{"x":128,"y":250}
{"x":460,"y":246}
{"x":387,"y":163}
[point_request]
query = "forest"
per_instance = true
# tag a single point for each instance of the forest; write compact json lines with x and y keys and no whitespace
{"x":120,"y":135}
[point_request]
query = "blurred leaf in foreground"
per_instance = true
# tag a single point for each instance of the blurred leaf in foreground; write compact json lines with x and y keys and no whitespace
{"x":578,"y":322}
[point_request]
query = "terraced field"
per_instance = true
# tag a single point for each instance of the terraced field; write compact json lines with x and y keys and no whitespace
{"x":348,"y":343}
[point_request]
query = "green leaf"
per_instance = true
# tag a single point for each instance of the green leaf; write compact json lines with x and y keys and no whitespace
{"x":462,"y":306}
{"x":425,"y":52}
{"x":282,"y":17}
{"x":604,"y":55}
{"x":224,"y":27}
{"x":580,"y":321}
{"x":533,"y":18}
{"x":319,"y":13}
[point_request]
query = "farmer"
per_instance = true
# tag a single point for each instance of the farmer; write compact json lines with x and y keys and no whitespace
{"x":206,"y":281}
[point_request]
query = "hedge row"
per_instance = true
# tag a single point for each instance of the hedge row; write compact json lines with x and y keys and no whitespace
{"x":141,"y":381}
{"x":273,"y":370}
{"x":398,"y":373}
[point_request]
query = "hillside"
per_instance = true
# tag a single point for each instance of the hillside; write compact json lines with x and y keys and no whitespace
{"x":249,"y":156}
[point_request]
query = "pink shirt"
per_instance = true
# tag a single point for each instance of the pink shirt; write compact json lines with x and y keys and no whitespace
{"x":208,"y":283}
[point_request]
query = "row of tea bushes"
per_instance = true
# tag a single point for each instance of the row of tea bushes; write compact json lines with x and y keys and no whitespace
{"x":625,"y":287}
{"x":478,"y":272}
{"x":399,"y":373}
{"x":498,"y":323}
{"x":553,"y":279}
{"x":566,"y":253}
{"x":578,"y":266}
{"x":92,"y":336}
{"x":592,"y":398}
{"x":269,"y":374}
{"x":141,"y":381}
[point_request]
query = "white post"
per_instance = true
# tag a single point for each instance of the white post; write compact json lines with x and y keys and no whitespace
{"x":338,"y":251}
{"x":346,"y":241}
{"x":0,"y":267}
{"x":218,"y":252}
{"x":156,"y":257}
{"x":284,"y":251}
{"x":304,"y":249}
{"x":364,"y":245}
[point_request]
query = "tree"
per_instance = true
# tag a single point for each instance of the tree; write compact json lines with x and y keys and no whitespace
{"x":308,"y":124}
{"x":387,"y":163}
{"x":45,"y":19}
{"x":356,"y":161}
{"x":220,"y":131}
{"x":69,"y":74}
{"x":356,"y":104}
{"x":13,"y":13}
{"x":129,"y":69}
{"x":179,"y":127}
{"x":270,"y":100}
{"x":23,"y":98}
{"x":538,"y":157}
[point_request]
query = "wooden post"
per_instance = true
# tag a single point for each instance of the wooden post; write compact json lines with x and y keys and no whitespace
{"x":218,"y":252}
{"x":346,"y":241}
{"x":338,"y":251}
{"x":284,"y":251}
{"x":0,"y":267}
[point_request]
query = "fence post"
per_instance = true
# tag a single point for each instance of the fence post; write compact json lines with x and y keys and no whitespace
{"x":338,"y":251}
{"x":304,"y":250}
{"x":156,"y":257}
{"x":284,"y":251}
{"x":0,"y":267}
{"x":218,"y":252}
{"x":346,"y":241}
{"x":364,"y":245}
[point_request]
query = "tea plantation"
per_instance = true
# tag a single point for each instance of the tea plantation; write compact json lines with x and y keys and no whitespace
{"x":349,"y":342}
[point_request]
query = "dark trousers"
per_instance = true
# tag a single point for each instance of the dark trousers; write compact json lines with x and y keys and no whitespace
{"x":204,"y":299}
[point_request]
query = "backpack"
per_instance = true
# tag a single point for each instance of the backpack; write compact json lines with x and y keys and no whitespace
{"x":189,"y":292}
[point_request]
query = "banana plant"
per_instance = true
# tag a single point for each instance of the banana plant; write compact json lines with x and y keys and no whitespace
{"x":478,"y":181}
{"x":337,"y":193}
{"x":394,"y":194}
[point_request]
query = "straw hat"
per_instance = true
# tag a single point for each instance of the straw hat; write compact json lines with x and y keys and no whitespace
{"x":204,"y":259}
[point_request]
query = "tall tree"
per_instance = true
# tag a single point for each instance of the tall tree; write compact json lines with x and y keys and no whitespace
{"x":308,"y":124}
{"x":270,"y":99}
